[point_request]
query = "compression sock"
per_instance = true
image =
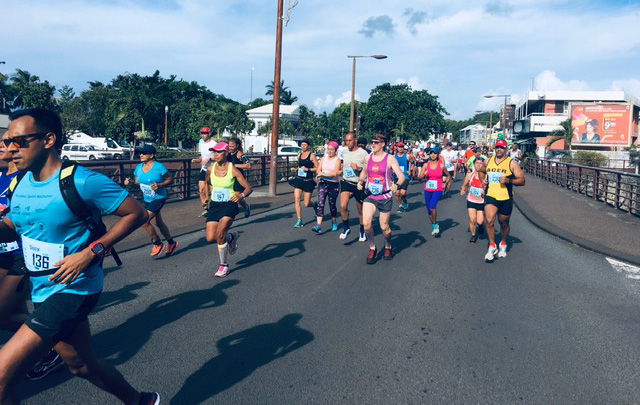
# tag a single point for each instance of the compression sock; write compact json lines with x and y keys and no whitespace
{"x":223,"y":252}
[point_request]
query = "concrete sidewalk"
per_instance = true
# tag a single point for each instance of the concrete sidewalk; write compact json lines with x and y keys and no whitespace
{"x":183,"y":217}
{"x":581,"y":220}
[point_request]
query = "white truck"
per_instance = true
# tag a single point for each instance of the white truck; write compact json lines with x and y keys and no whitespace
{"x":100,"y":143}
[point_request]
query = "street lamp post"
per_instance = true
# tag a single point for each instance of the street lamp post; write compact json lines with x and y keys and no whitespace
{"x":353,"y":81}
{"x":166,"y":121}
{"x":504,"y":111}
{"x":251,"y":94}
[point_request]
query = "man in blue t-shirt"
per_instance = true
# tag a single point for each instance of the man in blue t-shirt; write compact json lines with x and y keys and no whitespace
{"x":64,"y":264}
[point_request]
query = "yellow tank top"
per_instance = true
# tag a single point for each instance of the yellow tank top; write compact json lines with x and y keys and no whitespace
{"x":496,"y":189}
{"x":221,"y":187}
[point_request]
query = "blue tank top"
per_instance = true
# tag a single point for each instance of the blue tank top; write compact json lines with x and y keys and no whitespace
{"x":403,"y":162}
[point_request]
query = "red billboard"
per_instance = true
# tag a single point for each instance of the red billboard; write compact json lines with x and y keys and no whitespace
{"x":601,"y":124}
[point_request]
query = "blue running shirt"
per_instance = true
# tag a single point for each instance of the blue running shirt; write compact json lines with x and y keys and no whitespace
{"x":39,"y":212}
{"x":11,"y":248}
{"x":154,"y":175}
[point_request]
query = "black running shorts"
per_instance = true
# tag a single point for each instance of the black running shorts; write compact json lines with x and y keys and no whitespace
{"x":56,"y":318}
{"x":475,"y":206}
{"x":218,"y":210}
{"x":13,"y":262}
{"x":155,"y":206}
{"x":505,"y":207}
{"x":306,"y":186}
{"x":202,"y":176}
{"x":382,"y":205}
{"x":353,"y":189}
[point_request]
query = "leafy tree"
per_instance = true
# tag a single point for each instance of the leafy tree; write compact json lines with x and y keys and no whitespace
{"x":391,"y":106}
{"x":566,"y":134}
{"x":30,"y":92}
{"x":286,"y":96}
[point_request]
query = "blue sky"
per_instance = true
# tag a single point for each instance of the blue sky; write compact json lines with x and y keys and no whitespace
{"x":458,"y":50}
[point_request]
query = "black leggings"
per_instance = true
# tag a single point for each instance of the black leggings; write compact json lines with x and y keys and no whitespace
{"x":328,"y":189}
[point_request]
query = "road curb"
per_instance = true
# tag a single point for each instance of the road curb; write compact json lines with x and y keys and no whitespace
{"x":539,"y":222}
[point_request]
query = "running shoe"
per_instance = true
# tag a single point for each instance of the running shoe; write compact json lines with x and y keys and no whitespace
{"x":204,"y":213}
{"x":223,"y":271}
{"x":334,"y":226}
{"x":247,"y":211}
{"x":435,"y":229}
{"x":490,"y":253}
{"x":317,"y":229}
{"x":233,"y":244}
{"x":47,"y":365}
{"x":345,"y":233}
{"x":474,"y":239}
{"x":400,"y":209}
{"x":502,"y":250}
{"x":156,"y":249}
{"x":371,"y":257}
{"x":149,"y":398}
{"x":171,"y":248}
{"x":405,"y":206}
{"x":298,"y":224}
{"x":388,"y":253}
{"x":362,"y":237}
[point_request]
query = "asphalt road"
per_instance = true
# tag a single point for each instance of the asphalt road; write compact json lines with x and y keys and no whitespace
{"x":303,"y":320}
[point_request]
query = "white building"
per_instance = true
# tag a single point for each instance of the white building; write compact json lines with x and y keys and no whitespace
{"x":475,"y":132}
{"x":261,"y":116}
{"x":4,"y":123}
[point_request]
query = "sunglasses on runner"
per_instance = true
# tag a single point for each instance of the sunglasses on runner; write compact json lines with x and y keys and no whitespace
{"x":376,"y":141}
{"x":21,"y":141}
{"x":499,"y":147}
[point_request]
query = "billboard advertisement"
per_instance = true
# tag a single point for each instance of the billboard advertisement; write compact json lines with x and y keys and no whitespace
{"x":599,"y":124}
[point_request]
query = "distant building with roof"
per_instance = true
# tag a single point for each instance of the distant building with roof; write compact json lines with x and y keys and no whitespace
{"x":4,"y":123}
{"x":261,"y":117}
{"x":474,"y":132}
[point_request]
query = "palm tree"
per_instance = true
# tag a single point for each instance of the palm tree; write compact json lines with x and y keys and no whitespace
{"x":566,"y":133}
{"x":286,"y":97}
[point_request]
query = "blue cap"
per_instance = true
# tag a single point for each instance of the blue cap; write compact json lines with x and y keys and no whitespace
{"x":434,"y":150}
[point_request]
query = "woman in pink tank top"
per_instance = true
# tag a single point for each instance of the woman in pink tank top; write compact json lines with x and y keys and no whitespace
{"x":376,"y":179}
{"x":433,"y":171}
{"x":474,"y":183}
{"x":329,"y":186}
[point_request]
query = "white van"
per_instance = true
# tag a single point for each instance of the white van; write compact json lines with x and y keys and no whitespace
{"x":79,"y":151}
{"x":100,"y":143}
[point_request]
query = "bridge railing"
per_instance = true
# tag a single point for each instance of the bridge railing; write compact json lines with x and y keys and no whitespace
{"x":185,"y":173}
{"x":618,"y":189}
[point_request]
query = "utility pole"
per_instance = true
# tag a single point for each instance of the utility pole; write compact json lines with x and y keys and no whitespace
{"x":273,"y":163}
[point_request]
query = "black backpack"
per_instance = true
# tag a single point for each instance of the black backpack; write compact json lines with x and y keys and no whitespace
{"x":76,"y":204}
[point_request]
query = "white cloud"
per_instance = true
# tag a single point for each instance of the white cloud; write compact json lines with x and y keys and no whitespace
{"x":549,"y":81}
{"x":630,"y":86}
{"x":321,"y":104}
{"x":413,"y":82}
{"x":345,"y":98}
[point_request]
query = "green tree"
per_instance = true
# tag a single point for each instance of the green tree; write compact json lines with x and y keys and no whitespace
{"x":286,"y":96}
{"x":566,"y":133}
{"x":31,"y":92}
{"x":390,"y":106}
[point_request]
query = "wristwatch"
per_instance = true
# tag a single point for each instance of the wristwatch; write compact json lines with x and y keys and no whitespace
{"x":97,"y":249}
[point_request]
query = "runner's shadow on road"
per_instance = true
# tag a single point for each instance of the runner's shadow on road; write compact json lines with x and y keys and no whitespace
{"x":125,"y":294}
{"x":240,"y":354}
{"x":447,"y":224}
{"x":266,"y":218}
{"x":118,"y":345}
{"x":403,"y":241}
{"x":139,"y":328}
{"x":273,"y":251}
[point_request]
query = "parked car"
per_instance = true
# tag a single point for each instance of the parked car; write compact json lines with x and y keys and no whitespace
{"x":557,"y":153}
{"x":78,"y":151}
{"x":178,"y":150}
{"x":289,"y":150}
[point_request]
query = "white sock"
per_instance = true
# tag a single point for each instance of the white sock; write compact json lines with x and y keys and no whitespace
{"x":223,"y":252}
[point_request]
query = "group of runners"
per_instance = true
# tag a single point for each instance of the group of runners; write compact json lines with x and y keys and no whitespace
{"x":374,"y":177}
{"x":52,"y":237}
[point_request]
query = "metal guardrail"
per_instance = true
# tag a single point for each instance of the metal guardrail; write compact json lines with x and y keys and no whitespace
{"x":618,"y":189}
{"x":185,"y":173}
{"x":626,"y":165}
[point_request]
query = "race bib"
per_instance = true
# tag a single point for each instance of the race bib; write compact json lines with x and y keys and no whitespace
{"x":449,"y":166}
{"x":40,"y":256}
{"x":220,"y":195}
{"x":375,"y":189}
{"x":476,"y":191}
{"x":432,"y":185}
{"x":494,"y":177}
{"x":349,"y":172}
{"x":302,"y":172}
{"x":9,"y":247}
{"x":147,"y":190}
{"x":402,"y":169}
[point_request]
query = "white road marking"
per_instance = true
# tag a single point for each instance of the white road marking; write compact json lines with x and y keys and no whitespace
{"x":629,"y":270}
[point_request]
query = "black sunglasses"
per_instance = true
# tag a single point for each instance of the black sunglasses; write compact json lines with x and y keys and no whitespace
{"x":21,"y":141}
